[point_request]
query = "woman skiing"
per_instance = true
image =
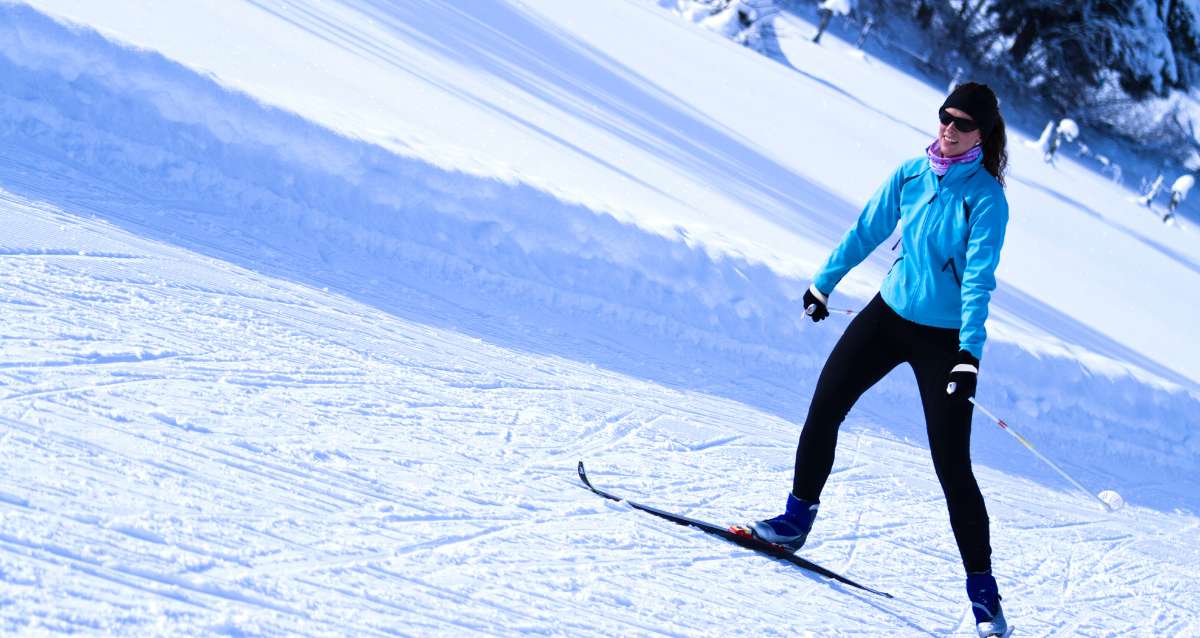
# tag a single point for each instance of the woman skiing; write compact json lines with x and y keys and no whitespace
{"x":929,"y":313}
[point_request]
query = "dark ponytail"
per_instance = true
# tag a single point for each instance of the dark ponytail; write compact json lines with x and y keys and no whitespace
{"x":995,"y":150}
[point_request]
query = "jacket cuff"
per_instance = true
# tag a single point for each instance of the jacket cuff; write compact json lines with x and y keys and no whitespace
{"x":966,"y":358}
{"x":822,"y":297}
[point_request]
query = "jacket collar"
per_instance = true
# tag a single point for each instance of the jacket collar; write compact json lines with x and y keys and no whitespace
{"x":960,"y":172}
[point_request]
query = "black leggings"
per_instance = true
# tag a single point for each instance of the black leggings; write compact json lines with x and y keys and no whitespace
{"x":877,"y":341}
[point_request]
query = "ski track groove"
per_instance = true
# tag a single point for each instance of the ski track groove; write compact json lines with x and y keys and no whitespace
{"x":98,"y":571}
{"x":521,"y":613}
{"x":439,"y":621}
{"x":85,"y":446}
{"x":121,"y":576}
{"x":94,"y":387}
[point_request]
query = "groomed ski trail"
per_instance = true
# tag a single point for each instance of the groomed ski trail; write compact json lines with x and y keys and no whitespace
{"x":191,"y":448}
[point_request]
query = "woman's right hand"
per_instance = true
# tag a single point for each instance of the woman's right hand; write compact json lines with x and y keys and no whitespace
{"x":964,"y":376}
{"x":814,"y":304}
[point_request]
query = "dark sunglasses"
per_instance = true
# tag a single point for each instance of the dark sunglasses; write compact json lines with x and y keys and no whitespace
{"x":962,"y":124}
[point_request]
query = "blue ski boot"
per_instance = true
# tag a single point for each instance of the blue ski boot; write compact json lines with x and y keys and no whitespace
{"x":985,"y":602}
{"x":791,"y":529}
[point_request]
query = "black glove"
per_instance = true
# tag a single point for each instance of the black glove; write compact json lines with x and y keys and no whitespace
{"x":819,"y":312}
{"x":964,"y":376}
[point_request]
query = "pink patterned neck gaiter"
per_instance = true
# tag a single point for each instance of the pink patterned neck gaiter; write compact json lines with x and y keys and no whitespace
{"x":941,"y":164}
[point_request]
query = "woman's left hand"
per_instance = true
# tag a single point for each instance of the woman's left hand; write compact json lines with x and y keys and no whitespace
{"x":814,"y":304}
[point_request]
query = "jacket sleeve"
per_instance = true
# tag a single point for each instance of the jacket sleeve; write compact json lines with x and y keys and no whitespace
{"x":875,"y":224}
{"x":988,"y":221}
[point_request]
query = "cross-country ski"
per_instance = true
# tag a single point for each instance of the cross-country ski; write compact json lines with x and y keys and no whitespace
{"x":733,"y":535}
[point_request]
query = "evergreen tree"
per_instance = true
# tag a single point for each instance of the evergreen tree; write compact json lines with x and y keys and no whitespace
{"x":1182,"y":18}
{"x":1072,"y":48}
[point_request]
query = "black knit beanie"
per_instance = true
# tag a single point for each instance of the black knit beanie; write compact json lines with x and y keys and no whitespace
{"x":978,"y":101}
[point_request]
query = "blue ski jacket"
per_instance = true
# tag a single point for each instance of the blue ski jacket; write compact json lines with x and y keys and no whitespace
{"x":951,"y":231}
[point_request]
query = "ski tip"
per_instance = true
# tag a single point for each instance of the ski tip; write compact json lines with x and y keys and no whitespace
{"x":583,"y":475}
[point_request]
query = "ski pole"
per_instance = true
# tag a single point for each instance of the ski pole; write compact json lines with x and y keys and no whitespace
{"x":1008,"y":428}
{"x":840,"y":311}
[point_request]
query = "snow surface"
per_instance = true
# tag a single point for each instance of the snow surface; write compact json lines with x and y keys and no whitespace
{"x":310,"y":308}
